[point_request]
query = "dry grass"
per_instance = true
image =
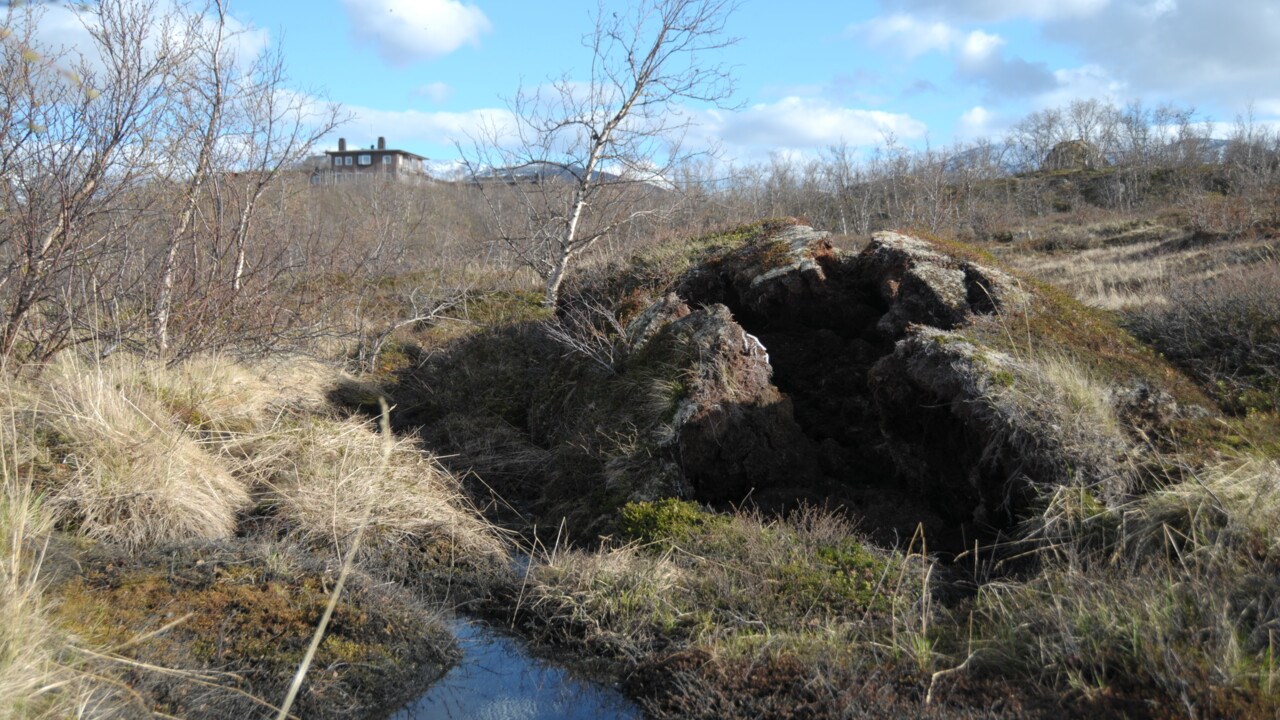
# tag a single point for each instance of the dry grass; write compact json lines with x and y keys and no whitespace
{"x":325,"y":476}
{"x":1086,"y":400}
{"x":121,"y":468}
{"x":39,"y":677}
{"x":210,"y":395}
{"x":1172,"y":596}
{"x":28,"y":662}
{"x":1111,"y":278}
{"x":139,"y":456}
{"x":1129,"y":266}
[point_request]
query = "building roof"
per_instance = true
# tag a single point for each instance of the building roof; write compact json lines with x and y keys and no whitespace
{"x":362,"y":151}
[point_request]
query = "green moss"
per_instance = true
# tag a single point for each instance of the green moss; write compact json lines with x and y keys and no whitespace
{"x":957,"y":249}
{"x":1003,"y":378}
{"x":666,"y":521}
{"x":839,"y":577}
{"x":845,"y":576}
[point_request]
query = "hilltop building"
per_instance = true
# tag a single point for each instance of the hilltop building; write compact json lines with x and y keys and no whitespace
{"x":375,"y":162}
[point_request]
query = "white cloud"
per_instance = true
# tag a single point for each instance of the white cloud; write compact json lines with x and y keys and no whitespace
{"x":407,"y":31}
{"x":1007,"y":76}
{"x":1269,"y":106}
{"x":1190,"y":51}
{"x":796,"y":123}
{"x":975,"y":122}
{"x":910,"y":35}
{"x":995,"y":10}
{"x":1226,"y":50}
{"x":1083,"y":83}
{"x":979,"y":46}
{"x":436,"y":92}
{"x":409,"y":129}
{"x":977,"y":54}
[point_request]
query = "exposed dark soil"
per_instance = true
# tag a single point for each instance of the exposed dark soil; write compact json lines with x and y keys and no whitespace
{"x":822,"y":343}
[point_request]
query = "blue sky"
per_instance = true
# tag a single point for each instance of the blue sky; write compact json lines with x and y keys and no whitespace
{"x":810,"y":73}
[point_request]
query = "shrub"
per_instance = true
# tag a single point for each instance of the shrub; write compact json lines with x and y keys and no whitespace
{"x":1226,"y":332}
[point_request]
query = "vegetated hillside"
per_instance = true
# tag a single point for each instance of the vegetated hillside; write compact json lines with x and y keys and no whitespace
{"x":801,"y":481}
{"x":761,"y":472}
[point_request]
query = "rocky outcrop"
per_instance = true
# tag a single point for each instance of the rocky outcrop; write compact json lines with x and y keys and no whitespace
{"x":923,"y":286}
{"x":1072,"y":155}
{"x":980,"y":432}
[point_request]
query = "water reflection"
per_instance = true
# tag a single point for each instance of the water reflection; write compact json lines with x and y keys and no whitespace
{"x":497,"y":680}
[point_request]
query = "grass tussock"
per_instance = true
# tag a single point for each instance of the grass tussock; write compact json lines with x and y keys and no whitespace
{"x":160,"y":484}
{"x":1172,"y":597}
{"x":804,"y":591}
{"x":40,"y":673}
{"x":28,"y":663}
{"x":327,"y":477}
{"x":119,"y":467}
{"x":141,"y":455}
{"x":1087,"y":398}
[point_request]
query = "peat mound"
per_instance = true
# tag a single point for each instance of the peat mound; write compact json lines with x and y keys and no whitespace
{"x":913,"y":383}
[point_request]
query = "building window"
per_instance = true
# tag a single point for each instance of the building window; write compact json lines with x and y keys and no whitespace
{"x":366,"y":159}
{"x":337,"y":161}
{"x":386,"y":159}
{"x":348,"y":160}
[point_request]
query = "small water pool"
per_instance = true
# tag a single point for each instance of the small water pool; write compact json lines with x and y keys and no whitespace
{"x":497,"y":680}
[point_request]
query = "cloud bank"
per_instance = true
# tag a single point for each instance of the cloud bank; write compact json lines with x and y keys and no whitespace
{"x":408,"y":31}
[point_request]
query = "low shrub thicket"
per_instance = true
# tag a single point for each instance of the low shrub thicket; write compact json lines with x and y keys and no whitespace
{"x":1226,"y":331}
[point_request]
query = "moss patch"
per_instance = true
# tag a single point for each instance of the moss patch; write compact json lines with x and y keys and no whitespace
{"x":241,"y":621}
{"x":667,"y":520}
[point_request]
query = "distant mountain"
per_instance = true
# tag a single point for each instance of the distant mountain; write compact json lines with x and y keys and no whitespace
{"x":539,"y":172}
{"x":449,"y":170}
{"x":977,"y":158}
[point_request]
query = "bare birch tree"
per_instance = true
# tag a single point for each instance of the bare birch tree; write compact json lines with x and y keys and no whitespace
{"x":203,"y":101}
{"x":592,"y":155}
{"x":77,"y":144}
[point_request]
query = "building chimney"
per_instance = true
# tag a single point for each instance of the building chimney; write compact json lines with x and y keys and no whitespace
{"x":382,"y":143}
{"x":342,"y":144}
